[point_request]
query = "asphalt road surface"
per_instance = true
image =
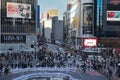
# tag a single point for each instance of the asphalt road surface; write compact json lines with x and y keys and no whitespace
{"x":76,"y":75}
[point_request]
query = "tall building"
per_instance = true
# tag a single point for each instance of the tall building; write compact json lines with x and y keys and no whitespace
{"x":107,"y":22}
{"x":111,"y":18}
{"x":80,"y":21}
{"x":47,"y":22}
{"x":18,"y":24}
{"x":57,"y":30}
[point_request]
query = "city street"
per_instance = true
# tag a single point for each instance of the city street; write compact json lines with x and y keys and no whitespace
{"x":59,"y":39}
{"x":69,"y":69}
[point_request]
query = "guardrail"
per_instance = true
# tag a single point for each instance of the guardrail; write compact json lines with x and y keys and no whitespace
{"x":18,"y":70}
{"x":43,"y":74}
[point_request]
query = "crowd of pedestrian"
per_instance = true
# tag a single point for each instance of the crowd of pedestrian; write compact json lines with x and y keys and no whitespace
{"x":107,"y":66}
{"x":47,"y":58}
{"x":44,"y":58}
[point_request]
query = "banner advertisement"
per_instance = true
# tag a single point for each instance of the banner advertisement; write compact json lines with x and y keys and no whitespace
{"x":18,"y":10}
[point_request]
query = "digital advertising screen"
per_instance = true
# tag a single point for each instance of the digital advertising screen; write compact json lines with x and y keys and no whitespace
{"x":18,"y":17}
{"x":113,"y":15}
{"x":18,"y":10}
{"x":90,"y":42}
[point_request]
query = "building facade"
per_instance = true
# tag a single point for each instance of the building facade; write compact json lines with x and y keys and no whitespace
{"x":57,"y":30}
{"x":18,"y":25}
{"x":107,"y":18}
{"x":111,"y":25}
{"x":98,"y":18}
{"x":107,"y":26}
{"x":81,"y":21}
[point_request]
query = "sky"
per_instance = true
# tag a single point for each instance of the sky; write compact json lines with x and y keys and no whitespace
{"x":61,"y":5}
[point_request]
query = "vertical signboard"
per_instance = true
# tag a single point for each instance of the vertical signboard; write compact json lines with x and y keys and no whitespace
{"x":87,"y":18}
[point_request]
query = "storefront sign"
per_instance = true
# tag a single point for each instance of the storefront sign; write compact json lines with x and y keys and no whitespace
{"x":13,"y":38}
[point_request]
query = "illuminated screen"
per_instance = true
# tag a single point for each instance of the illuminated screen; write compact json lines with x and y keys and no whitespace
{"x":113,"y":15}
{"x":90,"y":42}
{"x":18,"y":10}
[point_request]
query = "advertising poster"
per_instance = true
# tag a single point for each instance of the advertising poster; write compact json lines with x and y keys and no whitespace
{"x":87,"y":15}
{"x":18,"y":17}
{"x":87,"y":19}
{"x":17,"y":10}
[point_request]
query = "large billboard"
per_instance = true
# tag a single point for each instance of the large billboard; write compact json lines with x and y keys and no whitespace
{"x":18,"y":10}
{"x":18,"y":17}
